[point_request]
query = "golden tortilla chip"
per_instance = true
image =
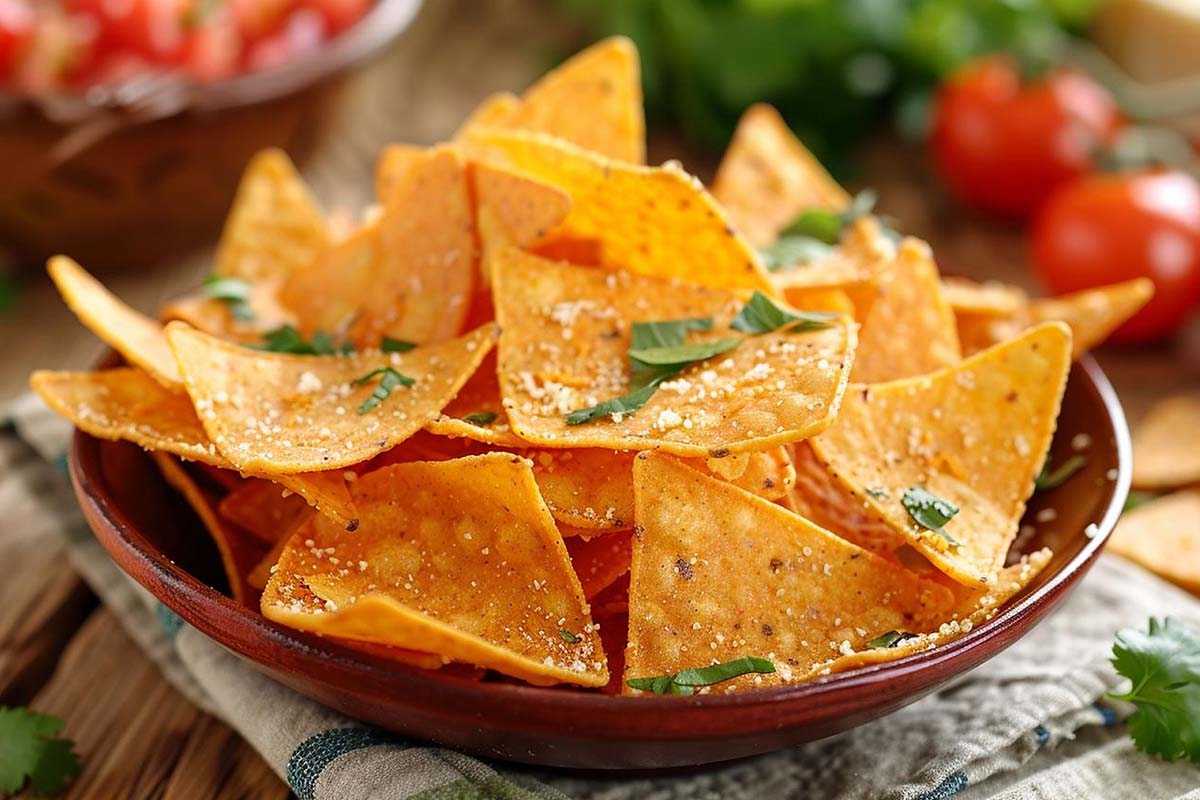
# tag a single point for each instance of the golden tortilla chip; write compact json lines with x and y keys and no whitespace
{"x":989,"y":298}
{"x":494,"y":112}
{"x":265,"y":510}
{"x":909,"y":329}
{"x":511,"y":209}
{"x":458,"y":558}
{"x":852,"y":268}
{"x":1164,"y":537}
{"x":588,"y":488}
{"x":393,"y":166}
{"x":767,"y":177}
{"x":132,"y":334}
{"x":476,"y":412}
{"x":239,"y":552}
{"x":973,"y":435}
{"x":410,"y":274}
{"x":275,"y":227}
{"x":1092,"y":315}
{"x":593,"y":100}
{"x":566,"y":333}
{"x":766,"y":473}
{"x":281,"y":414}
{"x":601,"y":560}
{"x":1166,"y":444}
{"x":655,"y":221}
{"x":127,"y":404}
{"x":719,"y":574}
{"x":260,"y":573}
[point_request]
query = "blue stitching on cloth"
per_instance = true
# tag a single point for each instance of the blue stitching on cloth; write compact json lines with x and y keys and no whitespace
{"x":60,"y":463}
{"x":1043,"y":735}
{"x":314,"y":754}
{"x":954,"y":783}
{"x":1107,"y":715}
{"x":170,"y":621}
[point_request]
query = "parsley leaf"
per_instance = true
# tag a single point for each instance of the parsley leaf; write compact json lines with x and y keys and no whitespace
{"x":813,"y":234}
{"x":682,"y":682}
{"x":790,"y":252}
{"x":235,"y":293}
{"x":1048,"y":479}
{"x":389,"y":379}
{"x":679,"y":355}
{"x":568,"y":637}
{"x":390,"y":345}
{"x":481,"y":418}
{"x":619,"y":405}
{"x":1163,"y":666}
{"x":665,"y":333}
{"x":30,"y":750}
{"x":287,"y":339}
{"x":889,"y":639}
{"x":761,"y":314}
{"x":929,"y":511}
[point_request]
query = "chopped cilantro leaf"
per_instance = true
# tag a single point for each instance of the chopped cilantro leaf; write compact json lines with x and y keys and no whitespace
{"x":389,"y":379}
{"x":235,"y":293}
{"x":683,"y":681}
{"x":568,"y":637}
{"x":390,"y":345}
{"x":761,"y":314}
{"x":680,"y":355}
{"x":929,"y":511}
{"x":889,"y":639}
{"x":1163,"y":666}
{"x":287,"y":339}
{"x":481,"y":418}
{"x":813,"y":234}
{"x":1048,"y":479}
{"x":665,"y":333}
{"x":618,"y":405}
{"x":30,"y":750}
{"x":789,"y":252}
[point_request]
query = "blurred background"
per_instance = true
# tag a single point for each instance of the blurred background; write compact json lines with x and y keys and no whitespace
{"x":1045,"y":143}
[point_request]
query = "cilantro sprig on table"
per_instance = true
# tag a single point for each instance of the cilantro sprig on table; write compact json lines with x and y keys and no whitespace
{"x":1162,"y":664}
{"x":658,"y":352}
{"x":30,"y":750}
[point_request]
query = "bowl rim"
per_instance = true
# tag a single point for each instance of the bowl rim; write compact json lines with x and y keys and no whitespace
{"x":385,"y":20}
{"x":218,"y":614}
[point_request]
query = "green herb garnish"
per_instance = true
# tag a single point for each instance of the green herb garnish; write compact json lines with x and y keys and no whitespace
{"x":761,"y":314}
{"x":929,"y":511}
{"x":287,"y":339}
{"x":481,"y":418}
{"x":1137,"y":499}
{"x":680,"y":355}
{"x":568,"y":637}
{"x":1163,"y":666}
{"x":684,"y":681}
{"x":889,"y":639}
{"x":618,"y":405}
{"x":666,"y":333}
{"x":1048,"y":479}
{"x":790,"y":252}
{"x":390,"y":345}
{"x":813,"y":234}
{"x":30,"y":750}
{"x":233,"y":292}
{"x":389,"y":379}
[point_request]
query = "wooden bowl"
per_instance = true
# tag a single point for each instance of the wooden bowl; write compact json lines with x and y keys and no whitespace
{"x":152,"y":536}
{"x":127,"y":178}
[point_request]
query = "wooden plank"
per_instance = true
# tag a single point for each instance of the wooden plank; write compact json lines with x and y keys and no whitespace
{"x":216,"y":762}
{"x":130,"y":727}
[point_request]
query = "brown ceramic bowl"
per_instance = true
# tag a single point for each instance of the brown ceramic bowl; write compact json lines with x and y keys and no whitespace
{"x":153,"y":537}
{"x":126,"y":178}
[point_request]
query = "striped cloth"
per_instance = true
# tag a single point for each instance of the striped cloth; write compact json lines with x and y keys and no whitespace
{"x":1031,"y":723}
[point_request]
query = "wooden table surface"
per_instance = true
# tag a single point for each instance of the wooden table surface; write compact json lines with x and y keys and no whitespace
{"x":62,"y":653}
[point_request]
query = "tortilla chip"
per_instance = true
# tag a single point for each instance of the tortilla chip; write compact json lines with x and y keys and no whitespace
{"x":566,"y":333}
{"x":766,"y":473}
{"x":1092,"y":315}
{"x":265,"y":510}
{"x":588,"y":488}
{"x":973,"y":609}
{"x":767,"y":177}
{"x":260,"y":573}
{"x":459,"y":558}
{"x":494,"y":112}
{"x":931,"y":432}
{"x":593,"y":100}
{"x":239,"y":551}
{"x":467,"y":414}
{"x":275,"y":227}
{"x":393,"y":166}
{"x":511,"y":209}
{"x":281,"y":414}
{"x":1166,"y":444}
{"x":132,"y":334}
{"x":852,"y":267}
{"x":126,"y":404}
{"x":989,"y":298}
{"x":831,"y":300}
{"x":719,"y":574}
{"x":655,"y":221}
{"x":1164,"y":537}
{"x":600,"y":561}
{"x":909,"y":329}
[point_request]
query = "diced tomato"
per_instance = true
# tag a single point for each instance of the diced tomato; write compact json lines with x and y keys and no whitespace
{"x":213,"y":47}
{"x":257,"y":18}
{"x":16,"y":30}
{"x":340,"y":14}
{"x":152,"y":28}
{"x":303,"y":32}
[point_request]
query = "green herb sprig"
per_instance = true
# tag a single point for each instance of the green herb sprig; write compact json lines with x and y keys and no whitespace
{"x":761,"y":314}
{"x":890,"y":639}
{"x":389,"y":380}
{"x":30,"y":749}
{"x":814,"y":233}
{"x":481,"y":418}
{"x":286,"y":339}
{"x":1049,"y":479}
{"x":685,"y":681}
{"x":234,"y":293}
{"x":929,"y":511}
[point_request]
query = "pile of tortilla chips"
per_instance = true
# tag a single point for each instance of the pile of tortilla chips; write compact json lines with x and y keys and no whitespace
{"x":546,"y":413}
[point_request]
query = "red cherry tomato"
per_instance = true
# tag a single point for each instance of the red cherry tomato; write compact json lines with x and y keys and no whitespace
{"x":16,"y":29}
{"x":257,"y":18}
{"x":303,"y":32}
{"x":1109,"y":228}
{"x":1003,"y":145}
{"x":213,"y":49}
{"x":339,"y":14}
{"x":154,"y":29}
